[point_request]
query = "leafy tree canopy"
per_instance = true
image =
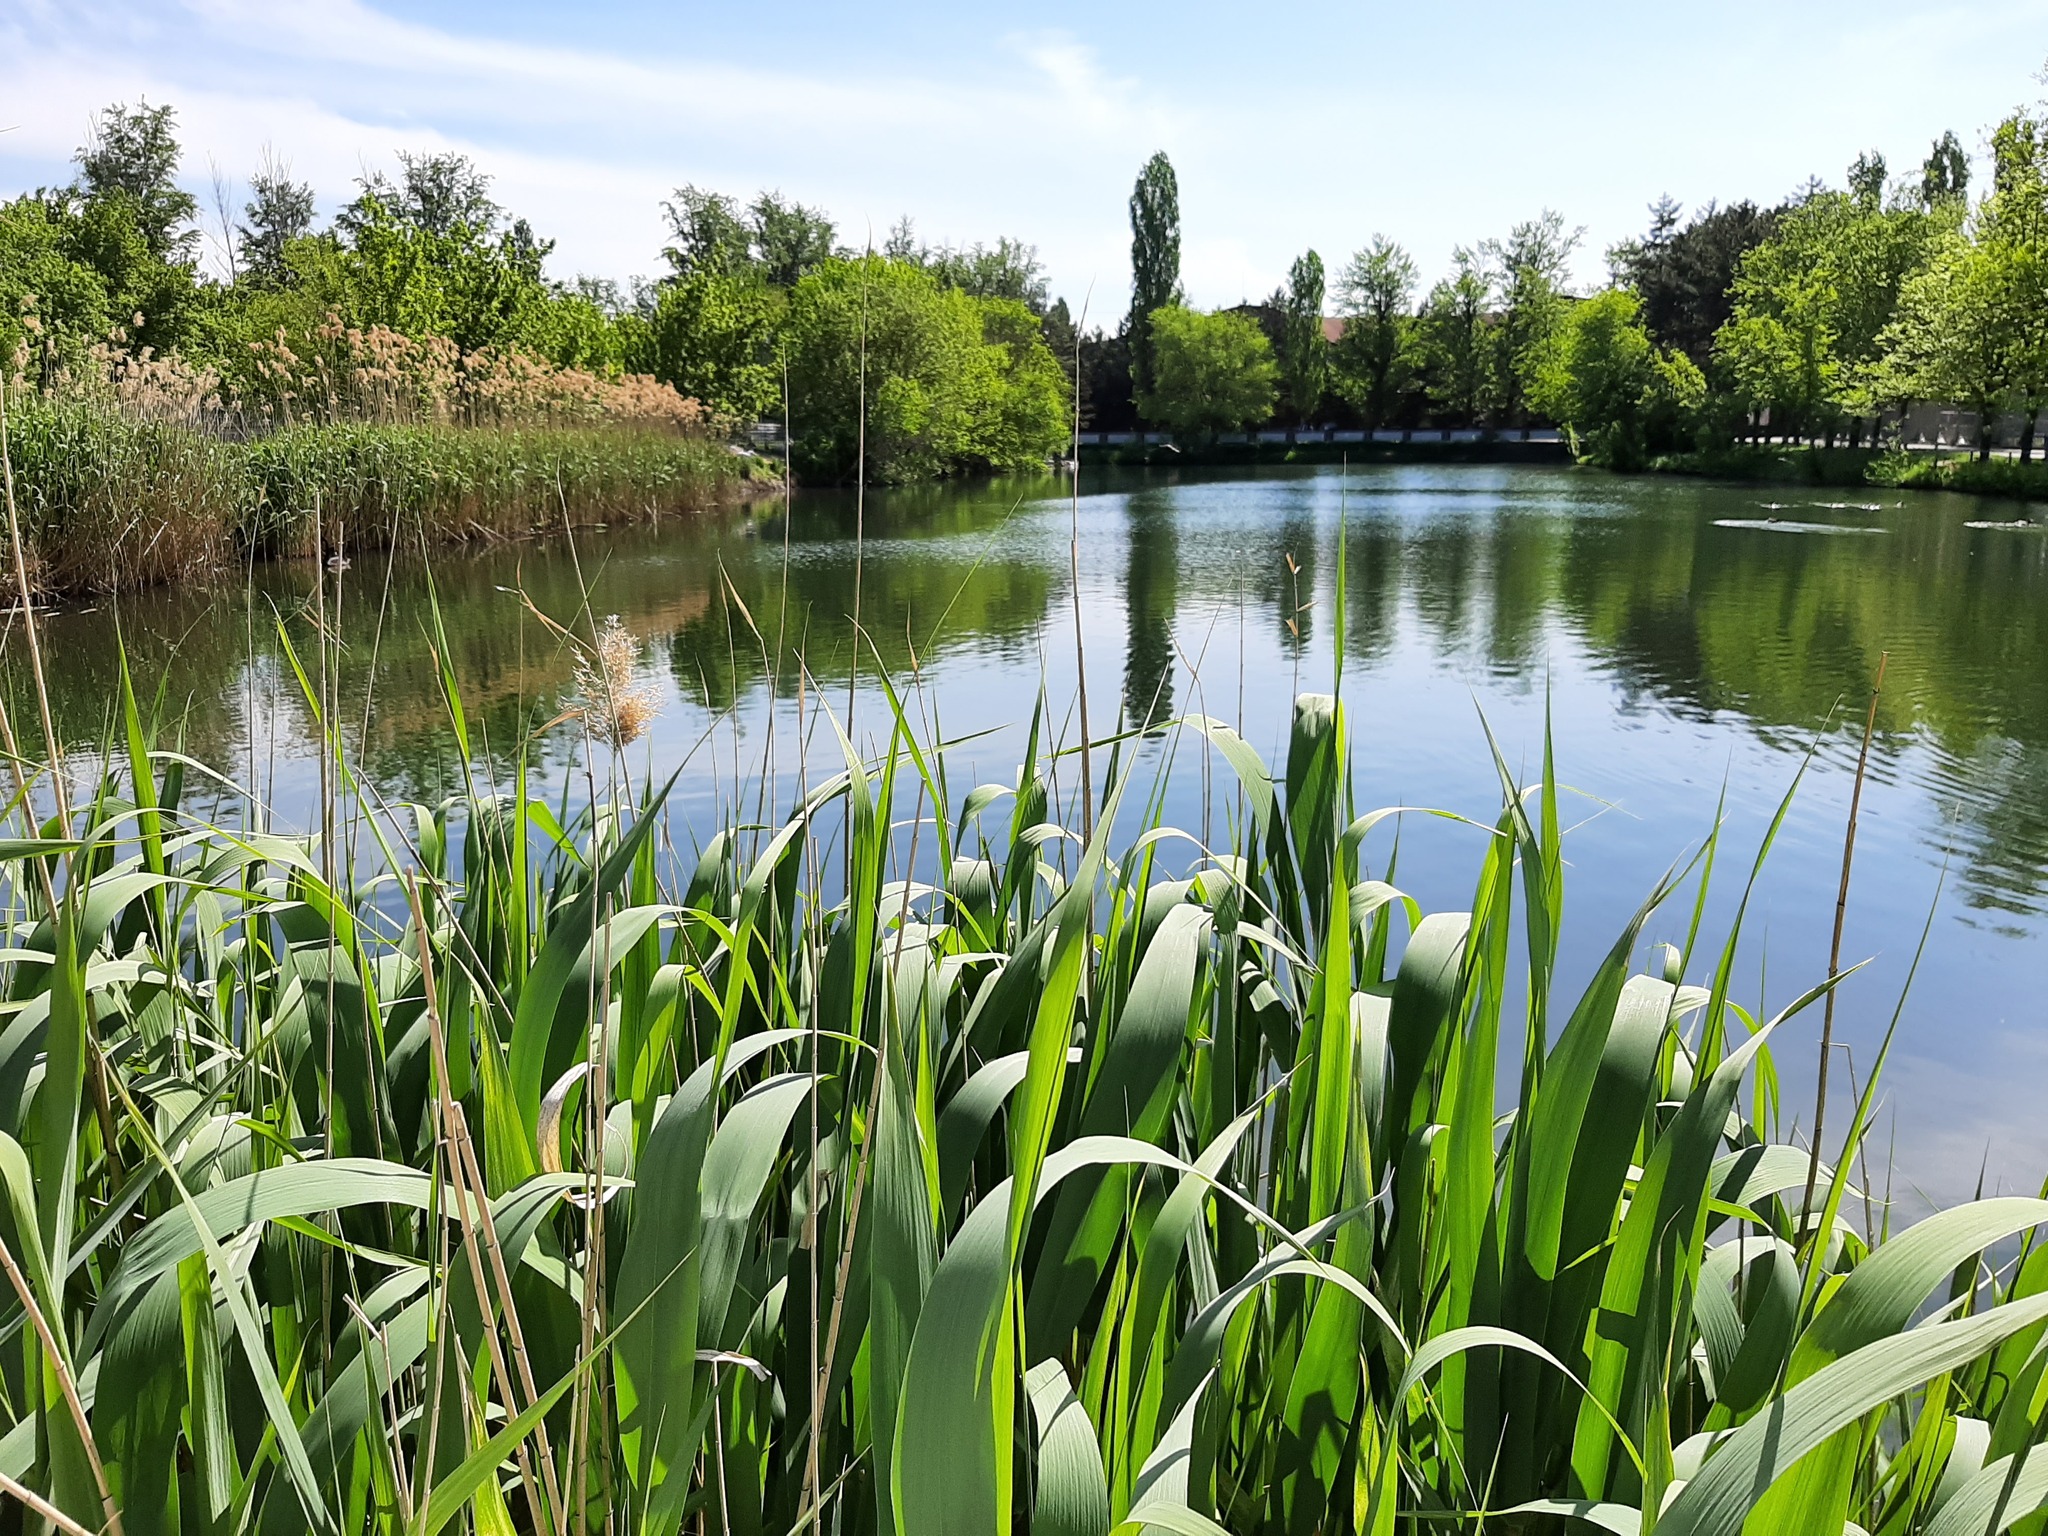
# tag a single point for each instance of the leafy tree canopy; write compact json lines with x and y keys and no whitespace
{"x":773,"y":239}
{"x":1305,"y":353}
{"x":946,"y":382}
{"x":1374,"y":356}
{"x":133,"y":154}
{"x":1602,"y":377}
{"x":1214,"y":373}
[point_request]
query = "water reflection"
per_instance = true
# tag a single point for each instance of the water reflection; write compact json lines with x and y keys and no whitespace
{"x":1676,"y":655}
{"x":1152,"y":563}
{"x":1755,"y":630}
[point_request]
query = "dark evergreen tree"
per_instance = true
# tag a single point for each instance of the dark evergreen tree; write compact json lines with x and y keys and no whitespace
{"x":1683,"y":273}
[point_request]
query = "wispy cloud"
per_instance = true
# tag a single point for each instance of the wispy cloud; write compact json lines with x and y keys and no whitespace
{"x":585,"y":142}
{"x":1333,"y":122}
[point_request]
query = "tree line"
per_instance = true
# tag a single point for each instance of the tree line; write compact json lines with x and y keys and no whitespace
{"x":1822,"y":317}
{"x":423,"y":278}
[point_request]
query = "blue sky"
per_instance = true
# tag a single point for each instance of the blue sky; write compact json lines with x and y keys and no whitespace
{"x":1314,"y":124}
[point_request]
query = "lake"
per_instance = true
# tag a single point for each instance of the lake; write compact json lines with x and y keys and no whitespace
{"x":1689,"y":641}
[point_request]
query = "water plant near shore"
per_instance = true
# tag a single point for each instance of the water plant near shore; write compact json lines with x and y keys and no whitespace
{"x":111,"y":500}
{"x":888,"y":1168}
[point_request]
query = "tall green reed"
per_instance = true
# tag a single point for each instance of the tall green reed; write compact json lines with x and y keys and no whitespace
{"x":1235,"y":1195}
{"x":109,"y":502}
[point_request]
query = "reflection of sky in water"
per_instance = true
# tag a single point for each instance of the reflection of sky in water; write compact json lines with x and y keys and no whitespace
{"x":1683,"y":644}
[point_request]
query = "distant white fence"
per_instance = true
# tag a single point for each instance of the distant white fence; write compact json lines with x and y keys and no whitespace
{"x":1339,"y":435}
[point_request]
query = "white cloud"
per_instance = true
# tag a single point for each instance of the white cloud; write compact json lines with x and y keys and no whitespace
{"x":586,"y":144}
{"x":1404,"y":124}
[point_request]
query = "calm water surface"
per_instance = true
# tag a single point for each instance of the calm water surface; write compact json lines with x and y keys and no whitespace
{"x":1687,"y":640}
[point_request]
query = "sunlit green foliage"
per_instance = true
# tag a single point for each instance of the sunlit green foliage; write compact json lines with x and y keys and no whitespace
{"x":1972,"y":324}
{"x":1304,"y":352}
{"x":1210,"y":372}
{"x":1812,"y":303}
{"x":1375,"y":357}
{"x":713,"y":335}
{"x":1456,"y":343}
{"x":950,"y":382}
{"x":1601,"y":376}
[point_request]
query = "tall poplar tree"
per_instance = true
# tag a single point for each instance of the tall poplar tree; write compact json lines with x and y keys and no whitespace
{"x":1306,"y":357}
{"x":1155,"y":259}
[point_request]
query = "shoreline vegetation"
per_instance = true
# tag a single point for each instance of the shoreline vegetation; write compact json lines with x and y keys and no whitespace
{"x":1780,"y":464}
{"x":1845,"y":468}
{"x":111,"y":502}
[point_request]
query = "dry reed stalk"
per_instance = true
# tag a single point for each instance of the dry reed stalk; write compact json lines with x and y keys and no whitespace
{"x":66,"y":1384}
{"x":32,"y":1500}
{"x":454,"y":1132}
{"x":1827,"y":1027}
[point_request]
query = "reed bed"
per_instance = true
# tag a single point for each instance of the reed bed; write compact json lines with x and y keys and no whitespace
{"x":910,"y":1162}
{"x":113,"y":499}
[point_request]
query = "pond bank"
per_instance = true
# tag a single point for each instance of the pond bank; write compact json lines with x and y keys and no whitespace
{"x":111,"y":503}
{"x":1247,"y":455}
{"x":1782,"y":464}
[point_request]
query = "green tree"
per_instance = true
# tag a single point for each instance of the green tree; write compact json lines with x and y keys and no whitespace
{"x":279,"y":211}
{"x":77,"y":272}
{"x":1373,"y":355}
{"x":1782,"y":360}
{"x":1155,"y":260}
{"x":712,"y":335}
{"x":1683,"y":273}
{"x":1954,"y":336}
{"x":1304,"y":351}
{"x":52,"y":305}
{"x":777,"y":239}
{"x":788,"y":239}
{"x":1811,"y":303}
{"x":1211,"y":373}
{"x":1455,"y":342}
{"x":436,"y":194}
{"x":708,"y":233}
{"x":1528,"y":271}
{"x":1866,"y":180}
{"x":1009,"y":269}
{"x":134,"y":155}
{"x":476,"y":287}
{"x":1972,"y":325}
{"x":2014,"y":218}
{"x":1601,"y":377}
{"x":949,"y":382}
{"x":1945,"y":176}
